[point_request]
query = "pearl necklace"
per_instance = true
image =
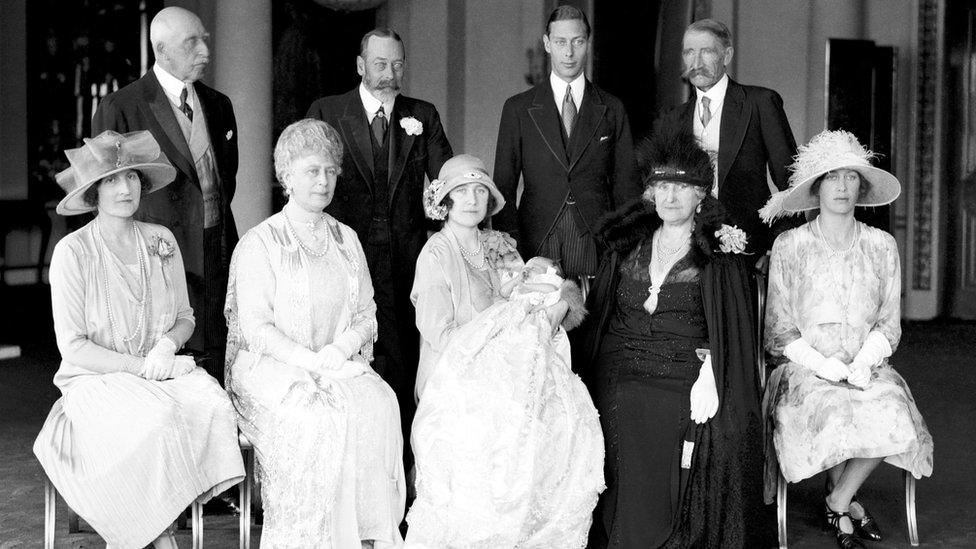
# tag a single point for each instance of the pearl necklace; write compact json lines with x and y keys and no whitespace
{"x":313,"y":224}
{"x":658,"y":269}
{"x":143,"y":301}
{"x":301,"y":243}
{"x":857,"y":232}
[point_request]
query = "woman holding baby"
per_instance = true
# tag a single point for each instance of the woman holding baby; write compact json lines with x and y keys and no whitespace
{"x":507,"y":442}
{"x":301,"y":322}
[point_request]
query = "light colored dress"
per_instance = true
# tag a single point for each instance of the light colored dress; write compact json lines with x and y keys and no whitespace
{"x":834,"y":300}
{"x":129,"y":454}
{"x":507,"y":441}
{"x":330,"y":451}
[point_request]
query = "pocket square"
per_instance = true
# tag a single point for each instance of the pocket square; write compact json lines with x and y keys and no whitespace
{"x":230,"y":133}
{"x":604,"y":138}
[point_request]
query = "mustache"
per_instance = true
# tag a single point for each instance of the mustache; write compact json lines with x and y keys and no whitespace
{"x":388,"y":83}
{"x":697,"y":71}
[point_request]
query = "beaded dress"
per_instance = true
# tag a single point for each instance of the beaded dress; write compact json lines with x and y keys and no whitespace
{"x":329,"y":450}
{"x":129,"y":454}
{"x":652,"y":361}
{"x":508,"y":445}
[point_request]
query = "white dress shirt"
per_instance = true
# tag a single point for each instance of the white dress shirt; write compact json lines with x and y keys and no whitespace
{"x":173,"y":87}
{"x":371,"y":104}
{"x":708,"y":136}
{"x":559,"y":90}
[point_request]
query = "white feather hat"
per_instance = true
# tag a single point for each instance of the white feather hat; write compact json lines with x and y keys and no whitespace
{"x":826,"y":152}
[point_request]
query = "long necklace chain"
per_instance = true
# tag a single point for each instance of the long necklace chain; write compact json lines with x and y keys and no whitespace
{"x":301,"y":243}
{"x":143,"y":301}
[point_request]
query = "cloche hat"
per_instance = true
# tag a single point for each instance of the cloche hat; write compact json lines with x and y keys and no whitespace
{"x":826,"y":152}
{"x":108,"y":153}
{"x":462,"y":169}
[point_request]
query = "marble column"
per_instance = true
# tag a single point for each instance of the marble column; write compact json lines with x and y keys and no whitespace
{"x":242,"y":59}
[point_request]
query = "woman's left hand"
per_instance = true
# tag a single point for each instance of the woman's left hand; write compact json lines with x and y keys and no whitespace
{"x":704,"y":395}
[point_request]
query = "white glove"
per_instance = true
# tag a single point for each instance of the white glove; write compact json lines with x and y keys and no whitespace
{"x":805,"y":355}
{"x":347,"y":370}
{"x":874,"y":349}
{"x":704,"y":396}
{"x":159,"y":360}
{"x":331,"y":358}
{"x":859,"y":375}
{"x":183,"y":365}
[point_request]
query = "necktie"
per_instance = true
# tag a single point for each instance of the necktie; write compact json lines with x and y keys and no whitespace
{"x":378,"y":125}
{"x":569,"y":112}
{"x":706,"y":113}
{"x":184,"y":106}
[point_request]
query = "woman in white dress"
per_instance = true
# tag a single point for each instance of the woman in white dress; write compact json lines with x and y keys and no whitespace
{"x":507,"y":441}
{"x":139,"y":433}
{"x":833,"y":318}
{"x":301,"y":324}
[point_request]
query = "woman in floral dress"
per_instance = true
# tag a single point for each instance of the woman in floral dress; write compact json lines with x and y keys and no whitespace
{"x":508,"y":445}
{"x":833,"y":318}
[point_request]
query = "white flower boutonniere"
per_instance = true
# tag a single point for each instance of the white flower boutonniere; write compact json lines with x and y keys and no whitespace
{"x":161,"y":248}
{"x":411,"y":125}
{"x":731,"y":239}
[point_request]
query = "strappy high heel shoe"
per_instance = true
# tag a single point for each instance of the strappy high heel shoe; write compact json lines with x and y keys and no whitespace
{"x":866,"y":527}
{"x":844,"y":540}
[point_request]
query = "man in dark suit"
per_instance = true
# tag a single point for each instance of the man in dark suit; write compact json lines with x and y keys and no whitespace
{"x":197,"y":131}
{"x":391,"y":142}
{"x":571,"y":143}
{"x":744,"y":129}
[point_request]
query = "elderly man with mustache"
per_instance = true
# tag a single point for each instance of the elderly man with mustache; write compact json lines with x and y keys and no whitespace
{"x":390,"y":142}
{"x":743,"y":128}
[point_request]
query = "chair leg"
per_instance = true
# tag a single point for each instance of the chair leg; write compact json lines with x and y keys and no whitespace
{"x":50,"y":517}
{"x":781,"y":509}
{"x":196,"y":509}
{"x":910,"y":508}
{"x":245,"y":488}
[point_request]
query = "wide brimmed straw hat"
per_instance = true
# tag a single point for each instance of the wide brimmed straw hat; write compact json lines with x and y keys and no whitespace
{"x":108,"y":153}
{"x":460,"y":170}
{"x":829,"y":151}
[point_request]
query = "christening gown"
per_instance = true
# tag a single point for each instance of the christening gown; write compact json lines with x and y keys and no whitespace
{"x":507,"y":441}
{"x":833,"y":300}
{"x":329,"y":450}
{"x":129,"y":454}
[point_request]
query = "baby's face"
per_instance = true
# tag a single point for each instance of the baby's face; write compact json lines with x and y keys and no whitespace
{"x":536,"y":265}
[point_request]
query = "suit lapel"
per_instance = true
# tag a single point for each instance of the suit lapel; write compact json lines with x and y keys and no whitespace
{"x":587,"y":121}
{"x":174,"y":144}
{"x":732,"y":131}
{"x":545,"y":116}
{"x":355,"y":133}
{"x":400,"y":144}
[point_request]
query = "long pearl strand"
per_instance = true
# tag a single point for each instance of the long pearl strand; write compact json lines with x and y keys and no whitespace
{"x":143,"y":301}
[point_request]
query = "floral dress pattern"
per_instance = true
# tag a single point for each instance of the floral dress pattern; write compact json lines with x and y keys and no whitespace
{"x":833,"y":300}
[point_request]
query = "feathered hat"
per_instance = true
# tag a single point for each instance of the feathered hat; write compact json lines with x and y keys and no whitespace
{"x":671,"y":154}
{"x":826,"y":152}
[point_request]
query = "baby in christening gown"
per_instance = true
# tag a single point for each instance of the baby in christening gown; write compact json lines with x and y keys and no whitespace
{"x":508,"y":443}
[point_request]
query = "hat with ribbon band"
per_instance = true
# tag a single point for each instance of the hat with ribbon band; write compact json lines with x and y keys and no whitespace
{"x":457,"y":171}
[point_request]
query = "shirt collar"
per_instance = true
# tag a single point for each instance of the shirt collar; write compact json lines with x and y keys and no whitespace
{"x":559,"y":86}
{"x":371,"y":104}
{"x":717,"y":92}
{"x":172,"y":85}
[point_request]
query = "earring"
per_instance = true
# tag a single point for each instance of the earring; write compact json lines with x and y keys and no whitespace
{"x":287,"y":191}
{"x":698,"y":208}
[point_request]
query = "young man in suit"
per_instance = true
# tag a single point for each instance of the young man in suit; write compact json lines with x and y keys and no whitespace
{"x":391,"y":142}
{"x":743,"y":128}
{"x":570,"y":142}
{"x":196,"y":129}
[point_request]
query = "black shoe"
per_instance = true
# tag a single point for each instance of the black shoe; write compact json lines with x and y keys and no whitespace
{"x":844,"y":540}
{"x":223,"y":504}
{"x":867,"y":527}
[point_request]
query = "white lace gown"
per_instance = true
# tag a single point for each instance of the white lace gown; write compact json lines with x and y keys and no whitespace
{"x":508,"y":444}
{"x":330,"y":451}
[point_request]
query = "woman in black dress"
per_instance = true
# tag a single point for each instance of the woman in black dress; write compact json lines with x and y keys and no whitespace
{"x":669,"y":357}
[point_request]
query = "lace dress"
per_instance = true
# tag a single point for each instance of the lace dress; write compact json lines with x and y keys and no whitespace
{"x":508,"y":445}
{"x":329,"y":449}
{"x":645,"y":370}
{"x":129,"y":454}
{"x":834,"y":300}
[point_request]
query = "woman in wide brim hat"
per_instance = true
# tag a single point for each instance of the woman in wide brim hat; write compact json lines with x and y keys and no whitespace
{"x":139,"y":432}
{"x":833,"y":318}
